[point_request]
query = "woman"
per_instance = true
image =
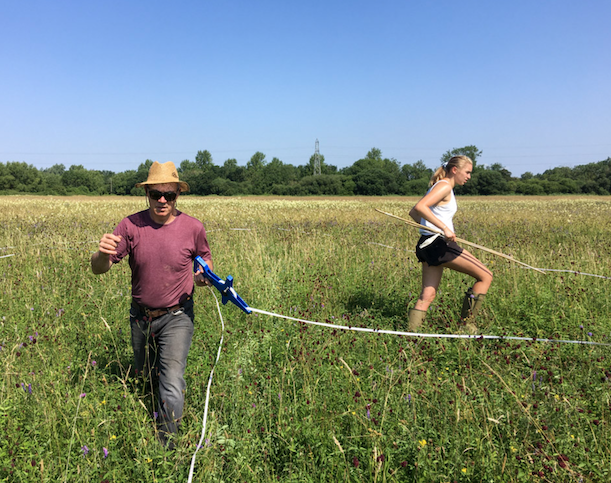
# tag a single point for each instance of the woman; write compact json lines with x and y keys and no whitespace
{"x":436,"y":209}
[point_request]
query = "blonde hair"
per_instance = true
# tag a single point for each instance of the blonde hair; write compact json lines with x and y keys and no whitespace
{"x":445,"y":168}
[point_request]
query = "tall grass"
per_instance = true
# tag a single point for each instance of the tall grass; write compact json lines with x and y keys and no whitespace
{"x":292,"y":402}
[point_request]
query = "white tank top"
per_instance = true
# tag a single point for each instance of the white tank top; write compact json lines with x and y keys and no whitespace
{"x":445,"y":212}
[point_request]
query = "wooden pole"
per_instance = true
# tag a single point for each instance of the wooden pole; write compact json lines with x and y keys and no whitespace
{"x":434,"y":230}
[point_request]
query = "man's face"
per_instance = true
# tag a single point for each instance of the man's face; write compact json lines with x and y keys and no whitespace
{"x":158,"y":195}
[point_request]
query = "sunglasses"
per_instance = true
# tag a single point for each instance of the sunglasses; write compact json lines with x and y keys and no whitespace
{"x":168,"y":195}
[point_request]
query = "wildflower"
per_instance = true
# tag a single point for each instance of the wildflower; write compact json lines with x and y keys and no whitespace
{"x":422,"y":442}
{"x":155,"y":414}
{"x":590,"y":334}
{"x":85,"y":450}
{"x":113,"y":437}
{"x":464,"y":470}
{"x":355,"y":462}
{"x":93,"y":363}
{"x":30,"y":388}
{"x":105,"y":451}
{"x":83,"y":394}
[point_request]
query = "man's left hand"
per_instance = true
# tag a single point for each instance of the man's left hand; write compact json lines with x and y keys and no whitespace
{"x":200,"y":280}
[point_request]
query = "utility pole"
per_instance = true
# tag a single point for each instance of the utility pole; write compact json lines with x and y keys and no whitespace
{"x":317,"y":169}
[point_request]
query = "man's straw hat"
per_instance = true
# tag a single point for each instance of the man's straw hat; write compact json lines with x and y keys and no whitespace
{"x":161,"y":173}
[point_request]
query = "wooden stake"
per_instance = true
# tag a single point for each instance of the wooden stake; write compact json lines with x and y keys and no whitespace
{"x":434,"y":230}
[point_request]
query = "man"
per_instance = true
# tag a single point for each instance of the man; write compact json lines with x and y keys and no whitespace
{"x":162,"y":243}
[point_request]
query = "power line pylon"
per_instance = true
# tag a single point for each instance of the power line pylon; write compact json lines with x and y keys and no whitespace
{"x":317,"y":169}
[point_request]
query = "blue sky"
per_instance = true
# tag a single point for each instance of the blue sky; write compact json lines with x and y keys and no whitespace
{"x":111,"y":84}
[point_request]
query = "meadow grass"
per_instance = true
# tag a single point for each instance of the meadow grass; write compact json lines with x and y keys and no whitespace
{"x":292,"y":402}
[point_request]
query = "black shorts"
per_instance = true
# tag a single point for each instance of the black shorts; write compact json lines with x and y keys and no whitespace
{"x":438,"y":252}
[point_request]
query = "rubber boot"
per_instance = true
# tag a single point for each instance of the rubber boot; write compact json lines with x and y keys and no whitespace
{"x":471,"y":306}
{"x":416,"y":318}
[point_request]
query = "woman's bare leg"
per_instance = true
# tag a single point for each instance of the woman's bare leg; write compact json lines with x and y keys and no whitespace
{"x":431,"y":277}
{"x":467,"y":263}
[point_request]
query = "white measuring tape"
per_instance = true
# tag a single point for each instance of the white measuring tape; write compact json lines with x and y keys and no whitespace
{"x":361,"y":329}
{"x":218,"y":355}
{"x":423,"y":334}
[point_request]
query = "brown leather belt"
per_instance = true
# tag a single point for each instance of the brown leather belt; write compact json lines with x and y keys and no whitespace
{"x":154,"y":313}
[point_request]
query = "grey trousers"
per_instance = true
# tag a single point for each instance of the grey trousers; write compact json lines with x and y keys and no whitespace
{"x":160,"y":349}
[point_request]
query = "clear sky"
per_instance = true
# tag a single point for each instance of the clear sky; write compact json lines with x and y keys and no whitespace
{"x":109,"y":84}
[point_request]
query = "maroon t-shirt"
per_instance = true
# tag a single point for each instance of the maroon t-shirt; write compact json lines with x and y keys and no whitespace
{"x":161,"y":256}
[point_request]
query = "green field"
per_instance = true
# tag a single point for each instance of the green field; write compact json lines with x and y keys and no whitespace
{"x":293,"y":402}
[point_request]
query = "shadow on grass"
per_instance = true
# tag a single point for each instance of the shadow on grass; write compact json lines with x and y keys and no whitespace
{"x":385,"y":305}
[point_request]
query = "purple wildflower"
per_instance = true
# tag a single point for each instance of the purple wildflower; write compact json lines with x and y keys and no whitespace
{"x":105,"y":451}
{"x":83,"y":394}
{"x":93,"y":363}
{"x":30,"y":388}
{"x":85,"y":450}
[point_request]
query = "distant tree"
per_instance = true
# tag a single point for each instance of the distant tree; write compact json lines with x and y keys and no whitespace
{"x":141,"y":175}
{"x":470,"y":151}
{"x":415,"y":187}
{"x":374,"y":161}
{"x":187,"y":165}
{"x":491,"y":182}
{"x":56,"y":169}
{"x":21,"y":177}
{"x":529,"y":187}
{"x":256,"y":162}
{"x":83,"y":181}
{"x":418,"y":170}
{"x":324,"y":169}
{"x":375,"y":182}
{"x":501,"y":169}
{"x":374,"y":153}
{"x":123,"y":183}
{"x":255,"y":174}
{"x":203,"y":160}
{"x":325,"y":184}
{"x":232,"y":171}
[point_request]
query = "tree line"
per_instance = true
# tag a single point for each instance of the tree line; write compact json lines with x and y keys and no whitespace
{"x":373,"y":175}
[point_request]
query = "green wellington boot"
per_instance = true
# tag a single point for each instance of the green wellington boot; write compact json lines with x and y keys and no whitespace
{"x":471,"y":306}
{"x":416,"y":318}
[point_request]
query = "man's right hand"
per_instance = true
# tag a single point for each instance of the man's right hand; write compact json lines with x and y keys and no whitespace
{"x":100,"y":260}
{"x":108,"y":244}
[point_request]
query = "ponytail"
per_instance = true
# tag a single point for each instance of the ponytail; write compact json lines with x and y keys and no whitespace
{"x":445,"y":168}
